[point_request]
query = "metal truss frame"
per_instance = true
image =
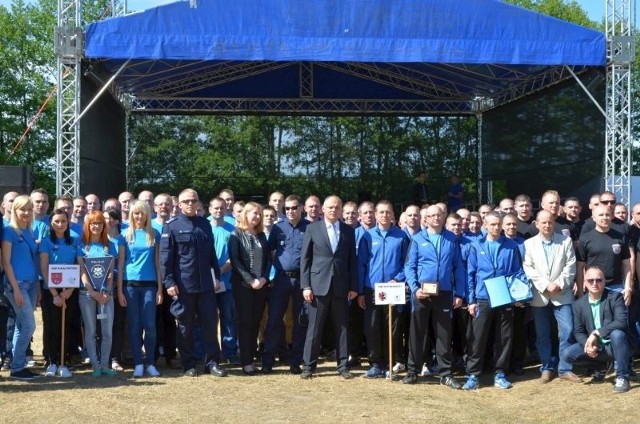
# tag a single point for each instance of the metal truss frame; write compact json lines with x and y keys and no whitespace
{"x":618,"y":138}
{"x":435,"y":94}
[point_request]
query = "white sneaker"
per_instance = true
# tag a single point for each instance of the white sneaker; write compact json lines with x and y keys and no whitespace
{"x":51,"y":371}
{"x":138,"y":371}
{"x":152,"y":371}
{"x":31,"y":362}
{"x":426,"y":371}
{"x":398,"y":367}
{"x":64,"y":372}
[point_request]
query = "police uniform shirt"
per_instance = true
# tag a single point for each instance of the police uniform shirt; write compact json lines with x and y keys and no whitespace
{"x":286,"y":240}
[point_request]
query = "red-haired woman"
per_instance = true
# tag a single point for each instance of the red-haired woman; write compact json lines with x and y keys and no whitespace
{"x":96,"y":300}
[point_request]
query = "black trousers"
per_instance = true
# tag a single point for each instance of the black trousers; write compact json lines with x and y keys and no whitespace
{"x":521,"y":321}
{"x":52,"y":329}
{"x":165,"y":329}
{"x":319,"y":309}
{"x":501,"y":320}
{"x":376,"y":330}
{"x":250,"y":304}
{"x":200,"y":307}
{"x":460,"y":329}
{"x":118,"y":332}
{"x":356,"y":330}
{"x":432,"y":315}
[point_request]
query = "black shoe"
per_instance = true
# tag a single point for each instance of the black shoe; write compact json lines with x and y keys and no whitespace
{"x":345,"y":374}
{"x":23,"y":375}
{"x":517,"y":371}
{"x":450,"y":382}
{"x":171,"y":364}
{"x":214,"y":369}
{"x":410,"y":378}
{"x":191,"y":372}
{"x":250,"y":371}
{"x":295,"y":369}
{"x":306,"y":374}
{"x":354,"y":362}
{"x":266,"y":369}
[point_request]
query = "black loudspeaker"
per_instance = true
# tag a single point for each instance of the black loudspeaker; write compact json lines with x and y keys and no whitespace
{"x":15,"y":178}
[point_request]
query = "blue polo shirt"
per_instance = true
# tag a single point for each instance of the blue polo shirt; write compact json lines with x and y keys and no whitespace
{"x":24,"y":254}
{"x":286,"y":240}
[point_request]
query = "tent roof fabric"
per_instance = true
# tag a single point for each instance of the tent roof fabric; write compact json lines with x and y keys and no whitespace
{"x":440,"y":51}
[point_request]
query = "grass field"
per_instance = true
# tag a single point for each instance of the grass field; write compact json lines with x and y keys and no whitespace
{"x":280,"y":398}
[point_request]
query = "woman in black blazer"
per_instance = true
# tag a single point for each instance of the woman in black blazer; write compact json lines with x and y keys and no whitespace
{"x":250,"y":261}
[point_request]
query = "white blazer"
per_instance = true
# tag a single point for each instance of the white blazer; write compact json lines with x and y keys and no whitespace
{"x":561,"y":270}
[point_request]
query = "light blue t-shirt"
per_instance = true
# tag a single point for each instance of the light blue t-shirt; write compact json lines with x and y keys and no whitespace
{"x":220,"y":239}
{"x":59,"y":252}
{"x":140,"y":258}
{"x":24,"y":254}
{"x":40,"y":229}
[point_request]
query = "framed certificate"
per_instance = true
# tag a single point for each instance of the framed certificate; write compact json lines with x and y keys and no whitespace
{"x":432,"y":288}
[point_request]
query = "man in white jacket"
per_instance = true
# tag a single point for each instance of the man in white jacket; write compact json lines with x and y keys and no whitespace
{"x":550,"y":264}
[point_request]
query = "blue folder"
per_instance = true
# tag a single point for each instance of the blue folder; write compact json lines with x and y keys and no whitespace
{"x":508,"y":289}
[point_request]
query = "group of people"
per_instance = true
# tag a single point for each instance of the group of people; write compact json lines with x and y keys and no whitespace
{"x":294,"y":278}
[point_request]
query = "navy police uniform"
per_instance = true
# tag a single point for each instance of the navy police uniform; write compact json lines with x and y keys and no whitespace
{"x":187,"y":257}
{"x":285,"y":241}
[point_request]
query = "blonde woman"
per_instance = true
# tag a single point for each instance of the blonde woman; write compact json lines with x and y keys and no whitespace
{"x":250,"y":262}
{"x":140,"y":287}
{"x":21,"y":266}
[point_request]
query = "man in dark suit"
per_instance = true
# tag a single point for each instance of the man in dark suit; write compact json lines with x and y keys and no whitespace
{"x":328,"y":279}
{"x":600,"y":328}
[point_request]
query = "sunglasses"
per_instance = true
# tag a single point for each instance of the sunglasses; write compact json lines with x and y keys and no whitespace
{"x":594,"y":280}
{"x":291,"y":208}
{"x":607,"y":202}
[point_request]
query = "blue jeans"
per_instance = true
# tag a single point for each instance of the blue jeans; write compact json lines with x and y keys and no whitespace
{"x":226,"y":310}
{"x":25,"y":321}
{"x":542,"y":321}
{"x":619,"y":349}
{"x":89,"y":309}
{"x":141,"y":315}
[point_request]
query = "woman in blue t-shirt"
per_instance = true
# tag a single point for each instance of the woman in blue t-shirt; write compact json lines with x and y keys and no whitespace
{"x":58,"y":248}
{"x":19,"y":259}
{"x":96,"y":302}
{"x":139,"y":281}
{"x":112,"y":219}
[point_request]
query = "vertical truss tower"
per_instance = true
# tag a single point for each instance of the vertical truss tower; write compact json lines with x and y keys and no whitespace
{"x":69,"y":50}
{"x":618,"y":140}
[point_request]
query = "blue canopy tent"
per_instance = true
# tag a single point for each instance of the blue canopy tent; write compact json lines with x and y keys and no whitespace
{"x":335,"y":56}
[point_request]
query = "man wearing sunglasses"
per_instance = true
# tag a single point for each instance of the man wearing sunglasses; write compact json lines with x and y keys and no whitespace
{"x":285,"y":243}
{"x":601,"y":330}
{"x":607,"y":199}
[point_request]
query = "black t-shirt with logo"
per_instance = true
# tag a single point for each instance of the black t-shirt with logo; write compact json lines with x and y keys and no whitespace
{"x":607,"y":250}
